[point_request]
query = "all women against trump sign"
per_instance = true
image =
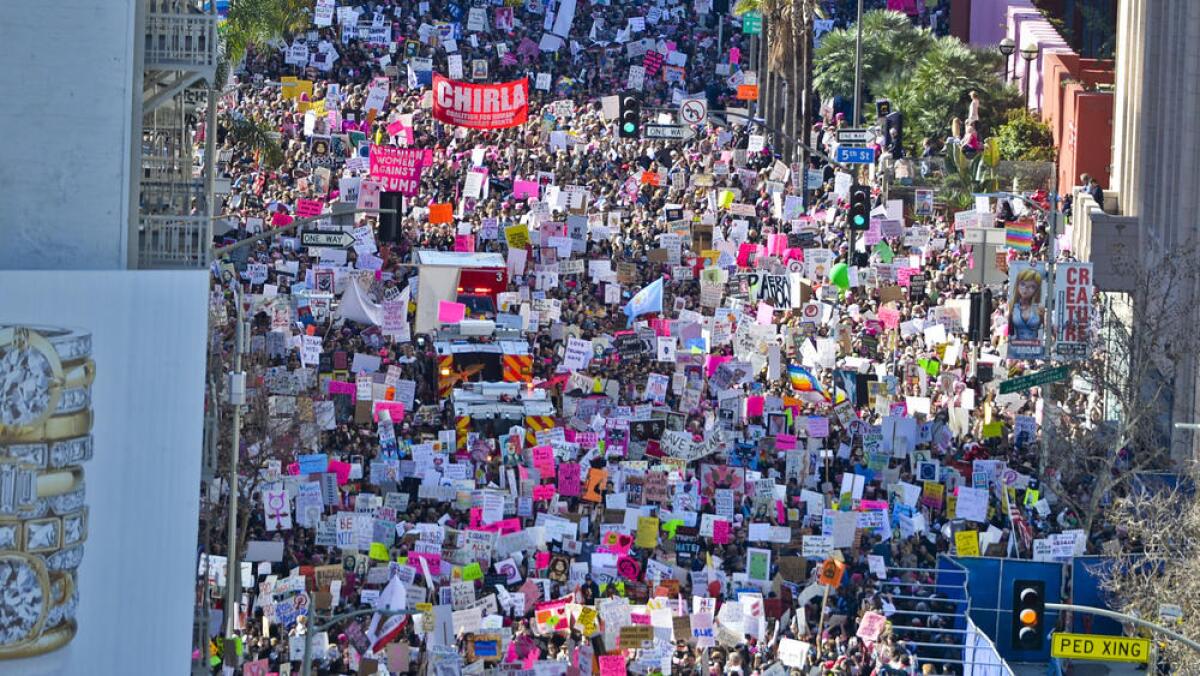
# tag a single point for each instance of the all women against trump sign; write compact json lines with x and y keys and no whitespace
{"x":397,"y":169}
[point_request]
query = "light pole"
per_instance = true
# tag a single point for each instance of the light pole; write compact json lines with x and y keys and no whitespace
{"x":858,"y":67}
{"x":237,"y":397}
{"x":1029,"y":52}
{"x":1007,"y":47}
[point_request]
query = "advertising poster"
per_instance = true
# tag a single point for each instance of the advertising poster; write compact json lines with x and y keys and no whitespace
{"x":480,"y":106}
{"x":1026,"y":311}
{"x":101,"y":423}
{"x":1072,"y":310}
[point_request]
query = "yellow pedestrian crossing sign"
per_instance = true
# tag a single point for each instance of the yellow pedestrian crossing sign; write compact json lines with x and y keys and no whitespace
{"x":1096,"y":647}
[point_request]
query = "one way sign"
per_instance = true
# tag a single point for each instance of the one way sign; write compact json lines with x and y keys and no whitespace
{"x":339,"y":240}
{"x":671,"y":131}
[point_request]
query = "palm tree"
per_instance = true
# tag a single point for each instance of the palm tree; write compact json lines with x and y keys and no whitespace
{"x":789,"y":39}
{"x":892,"y":48}
{"x":256,"y":135}
{"x":255,"y":23}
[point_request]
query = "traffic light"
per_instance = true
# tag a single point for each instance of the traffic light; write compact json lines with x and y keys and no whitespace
{"x":883,"y":107}
{"x":1029,"y":610}
{"x":860,"y":207}
{"x":629,"y":118}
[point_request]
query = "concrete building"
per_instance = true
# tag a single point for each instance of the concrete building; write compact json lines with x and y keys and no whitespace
{"x":102,"y":102}
{"x":1153,"y":202}
{"x":64,"y":163}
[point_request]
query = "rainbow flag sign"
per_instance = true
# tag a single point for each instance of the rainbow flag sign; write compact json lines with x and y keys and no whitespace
{"x":802,"y":379}
{"x":1019,"y":235}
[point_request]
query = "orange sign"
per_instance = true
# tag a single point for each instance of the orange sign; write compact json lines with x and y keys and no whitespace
{"x":441,"y":212}
{"x":831,"y":573}
{"x":747,"y":92}
{"x":651,"y":178}
{"x":596,"y":480}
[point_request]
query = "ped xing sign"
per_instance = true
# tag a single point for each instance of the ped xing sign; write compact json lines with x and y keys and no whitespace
{"x":852,"y":155}
{"x":1096,"y":647}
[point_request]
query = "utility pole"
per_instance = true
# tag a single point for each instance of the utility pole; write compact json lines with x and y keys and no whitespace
{"x":237,"y":398}
{"x":858,"y":68}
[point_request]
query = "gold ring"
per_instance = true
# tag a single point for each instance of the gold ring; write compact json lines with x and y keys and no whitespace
{"x":31,"y":360}
{"x":48,"y":641}
{"x":53,"y":484}
{"x":28,"y":595}
{"x":51,"y":429}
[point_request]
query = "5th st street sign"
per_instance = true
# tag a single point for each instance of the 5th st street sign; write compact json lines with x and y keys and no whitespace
{"x":852,"y":155}
{"x":337,"y":240}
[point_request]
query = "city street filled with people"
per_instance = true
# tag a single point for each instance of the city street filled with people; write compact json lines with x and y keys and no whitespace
{"x":546,"y":375}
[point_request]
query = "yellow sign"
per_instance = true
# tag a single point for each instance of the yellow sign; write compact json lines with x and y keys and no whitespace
{"x":966,"y":542}
{"x":1096,"y":647}
{"x":517,"y":236}
{"x":647,"y":532}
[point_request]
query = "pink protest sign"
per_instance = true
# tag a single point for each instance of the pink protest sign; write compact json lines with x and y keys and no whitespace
{"x":776,"y":244}
{"x":543,"y":460}
{"x":713,"y":362}
{"x":543,"y":492}
{"x":889,"y":317}
{"x":464,"y":243}
{"x":525,"y":189}
{"x":451,"y":313}
{"x":735,"y":55}
{"x":870,"y":625}
{"x":612,"y":665}
{"x":339,"y":387}
{"x":503,"y":526}
{"x":433,"y":560}
{"x":308,"y":208}
{"x":754,"y":406}
{"x":568,"y":479}
{"x":397,"y":169}
{"x":721,"y":532}
{"x":394,"y":409}
{"x":341,"y":469}
{"x":395,"y":128}
{"x":279,"y":220}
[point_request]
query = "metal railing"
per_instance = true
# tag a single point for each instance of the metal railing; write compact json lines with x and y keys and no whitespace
{"x":186,"y":42}
{"x":172,"y":241}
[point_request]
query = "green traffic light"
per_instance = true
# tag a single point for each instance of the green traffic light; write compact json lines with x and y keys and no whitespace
{"x":628,"y":126}
{"x":858,"y":220}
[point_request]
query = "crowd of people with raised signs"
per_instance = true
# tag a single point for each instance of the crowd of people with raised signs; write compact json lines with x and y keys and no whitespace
{"x":719,"y":435}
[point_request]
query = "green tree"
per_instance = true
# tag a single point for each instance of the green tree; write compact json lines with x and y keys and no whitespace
{"x":967,"y":176}
{"x":925,"y":77}
{"x":892,"y":46}
{"x":255,"y":23}
{"x":1024,"y":137}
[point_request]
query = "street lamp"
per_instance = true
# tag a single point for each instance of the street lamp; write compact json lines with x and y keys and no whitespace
{"x":1029,"y":52}
{"x":1007,"y":47}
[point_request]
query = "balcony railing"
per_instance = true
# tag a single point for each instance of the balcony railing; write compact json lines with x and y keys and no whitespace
{"x":173,"y":242}
{"x":185,"y":42}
